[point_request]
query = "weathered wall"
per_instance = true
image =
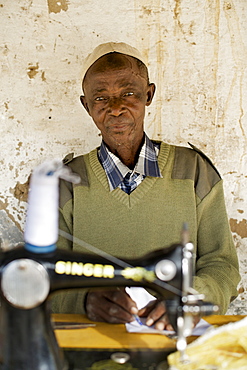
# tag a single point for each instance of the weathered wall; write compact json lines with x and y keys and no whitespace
{"x":197,"y":52}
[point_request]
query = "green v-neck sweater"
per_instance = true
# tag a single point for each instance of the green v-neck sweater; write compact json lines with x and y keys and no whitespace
{"x":151,"y":217}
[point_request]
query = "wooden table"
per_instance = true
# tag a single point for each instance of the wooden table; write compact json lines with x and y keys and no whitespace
{"x":92,"y":347}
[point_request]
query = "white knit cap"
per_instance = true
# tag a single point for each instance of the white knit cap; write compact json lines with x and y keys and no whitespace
{"x":110,"y":47}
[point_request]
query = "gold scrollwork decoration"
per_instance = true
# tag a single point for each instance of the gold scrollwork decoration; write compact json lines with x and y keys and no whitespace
{"x":138,"y":274}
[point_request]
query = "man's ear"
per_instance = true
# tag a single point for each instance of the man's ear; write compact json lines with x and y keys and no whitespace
{"x":150,"y":93}
{"x":84,"y":103}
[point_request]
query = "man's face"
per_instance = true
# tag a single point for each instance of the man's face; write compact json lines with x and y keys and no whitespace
{"x":116,"y":95}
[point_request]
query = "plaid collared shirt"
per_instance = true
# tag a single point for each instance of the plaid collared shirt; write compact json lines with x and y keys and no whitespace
{"x":121,"y":176}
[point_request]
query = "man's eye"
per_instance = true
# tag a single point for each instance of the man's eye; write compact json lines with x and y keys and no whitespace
{"x":99,"y":98}
{"x":129,"y":93}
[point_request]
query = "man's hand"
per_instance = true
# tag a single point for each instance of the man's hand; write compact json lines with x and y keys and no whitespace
{"x":111,"y":305}
{"x":156,"y":315}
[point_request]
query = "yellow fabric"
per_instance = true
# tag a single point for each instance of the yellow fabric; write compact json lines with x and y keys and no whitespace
{"x":222,"y":348}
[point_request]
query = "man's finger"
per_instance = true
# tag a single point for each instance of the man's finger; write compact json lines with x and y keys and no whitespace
{"x":122,"y":299}
{"x":113,"y":306}
{"x":158,"y":309}
{"x":163,"y":324}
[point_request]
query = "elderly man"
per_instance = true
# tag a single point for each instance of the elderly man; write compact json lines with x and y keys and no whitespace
{"x":135,"y":193}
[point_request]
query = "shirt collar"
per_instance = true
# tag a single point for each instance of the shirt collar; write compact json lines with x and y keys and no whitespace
{"x":147,"y":164}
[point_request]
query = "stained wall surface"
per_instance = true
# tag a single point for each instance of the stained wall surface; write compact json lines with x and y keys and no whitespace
{"x":197,"y":55}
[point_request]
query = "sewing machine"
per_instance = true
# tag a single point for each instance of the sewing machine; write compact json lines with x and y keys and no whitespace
{"x":30,"y":274}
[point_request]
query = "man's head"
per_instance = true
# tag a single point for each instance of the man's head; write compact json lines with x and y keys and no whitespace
{"x":116,"y":91}
{"x":112,"y":47}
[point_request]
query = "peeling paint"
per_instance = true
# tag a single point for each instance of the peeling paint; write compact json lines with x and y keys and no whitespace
{"x":4,"y":206}
{"x":147,"y":10}
{"x":240,"y":210}
{"x":55,"y":6}
{"x":10,"y":235}
{"x":239,"y":227}
{"x":32,"y":70}
{"x":241,"y":290}
{"x":19,"y":145}
{"x":43,"y":76}
{"x":177,"y":11}
{"x":21,"y":191}
{"x":239,"y":54}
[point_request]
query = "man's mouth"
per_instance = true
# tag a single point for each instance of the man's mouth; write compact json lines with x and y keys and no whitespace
{"x":118,"y":125}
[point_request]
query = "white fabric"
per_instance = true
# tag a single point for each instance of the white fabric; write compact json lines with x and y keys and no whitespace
{"x":110,"y":47}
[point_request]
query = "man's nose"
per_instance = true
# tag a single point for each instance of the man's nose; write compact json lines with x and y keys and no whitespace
{"x":115,"y":106}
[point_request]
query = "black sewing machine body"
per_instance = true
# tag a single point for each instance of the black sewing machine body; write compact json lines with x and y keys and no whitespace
{"x":29,"y":276}
{"x":28,"y":280}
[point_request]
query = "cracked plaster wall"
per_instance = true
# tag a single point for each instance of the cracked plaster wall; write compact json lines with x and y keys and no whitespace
{"x":197,"y":53}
